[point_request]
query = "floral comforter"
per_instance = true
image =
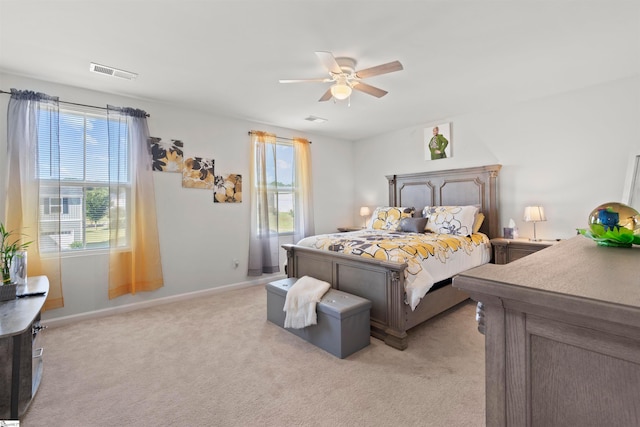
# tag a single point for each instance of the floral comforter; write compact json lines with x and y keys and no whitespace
{"x":430,"y":257}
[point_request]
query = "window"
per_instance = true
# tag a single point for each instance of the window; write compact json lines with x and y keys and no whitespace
{"x":83,"y":202}
{"x":280,"y":187}
{"x":52,"y":205}
{"x":281,"y":198}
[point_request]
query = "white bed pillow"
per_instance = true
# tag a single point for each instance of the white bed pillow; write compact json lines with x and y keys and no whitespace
{"x":457,"y":220}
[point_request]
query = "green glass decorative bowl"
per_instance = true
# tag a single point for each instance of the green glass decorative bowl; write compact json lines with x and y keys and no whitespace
{"x":613,"y":224}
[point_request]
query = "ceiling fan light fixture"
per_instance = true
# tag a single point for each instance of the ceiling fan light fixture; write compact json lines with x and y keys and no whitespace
{"x":345,"y":78}
{"x":341,"y":91}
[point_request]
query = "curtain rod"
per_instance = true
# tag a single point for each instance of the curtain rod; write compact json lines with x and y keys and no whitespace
{"x":75,"y":103}
{"x":277,"y":137}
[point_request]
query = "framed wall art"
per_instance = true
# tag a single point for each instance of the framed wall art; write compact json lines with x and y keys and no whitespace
{"x":197,"y":172}
{"x":228,"y":188}
{"x":437,"y":141}
{"x":167,"y":156}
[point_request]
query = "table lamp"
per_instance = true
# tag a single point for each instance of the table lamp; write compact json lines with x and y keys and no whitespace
{"x":364,"y":212}
{"x":534,"y":214}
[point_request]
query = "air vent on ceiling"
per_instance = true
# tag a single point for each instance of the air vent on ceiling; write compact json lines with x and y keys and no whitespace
{"x":315,"y":119}
{"x":113,"y":72}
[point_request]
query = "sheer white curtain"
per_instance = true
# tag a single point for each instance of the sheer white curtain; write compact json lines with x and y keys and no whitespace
{"x":263,"y":241}
{"x":33,"y":163}
{"x":134,"y":253}
{"x":264,"y":246}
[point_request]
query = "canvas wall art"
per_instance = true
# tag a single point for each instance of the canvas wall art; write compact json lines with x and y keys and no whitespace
{"x":197,"y":172}
{"x":437,"y":142}
{"x":167,"y":156}
{"x":228,"y":188}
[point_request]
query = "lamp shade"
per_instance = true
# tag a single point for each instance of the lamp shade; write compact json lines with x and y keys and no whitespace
{"x":534,"y":214}
{"x":364,"y":211}
{"x":340,"y":91}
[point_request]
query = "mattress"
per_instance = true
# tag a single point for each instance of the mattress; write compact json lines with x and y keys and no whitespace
{"x":430,"y":257}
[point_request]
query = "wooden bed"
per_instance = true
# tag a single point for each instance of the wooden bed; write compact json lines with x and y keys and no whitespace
{"x":383,"y":282}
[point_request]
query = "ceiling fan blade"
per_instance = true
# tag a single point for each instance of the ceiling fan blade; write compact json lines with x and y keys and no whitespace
{"x":329,"y":62}
{"x":327,"y":96}
{"x":371,"y":90}
{"x":389,"y":67}
{"x":321,"y":80}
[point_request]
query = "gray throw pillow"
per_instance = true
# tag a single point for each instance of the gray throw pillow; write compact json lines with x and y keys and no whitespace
{"x":413,"y":225}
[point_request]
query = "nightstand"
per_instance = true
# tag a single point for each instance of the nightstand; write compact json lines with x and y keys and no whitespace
{"x":344,"y":229}
{"x":508,"y":250}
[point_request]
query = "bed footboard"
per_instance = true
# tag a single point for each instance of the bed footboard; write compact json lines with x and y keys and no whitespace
{"x":380,"y":282}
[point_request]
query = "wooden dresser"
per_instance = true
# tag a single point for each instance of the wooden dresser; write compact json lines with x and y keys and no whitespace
{"x":562,"y":336}
{"x":20,"y":355}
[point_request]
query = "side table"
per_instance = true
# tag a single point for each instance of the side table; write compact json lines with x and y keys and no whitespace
{"x":345,"y":229}
{"x":509,"y":250}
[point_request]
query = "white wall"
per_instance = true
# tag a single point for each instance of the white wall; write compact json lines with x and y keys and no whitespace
{"x":567,"y":152}
{"x":198,"y":239}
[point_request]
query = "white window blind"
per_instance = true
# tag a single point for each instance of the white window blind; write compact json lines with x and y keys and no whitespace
{"x":84,"y":201}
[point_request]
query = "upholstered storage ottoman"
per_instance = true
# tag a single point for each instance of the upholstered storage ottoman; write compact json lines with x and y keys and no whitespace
{"x":343,"y":319}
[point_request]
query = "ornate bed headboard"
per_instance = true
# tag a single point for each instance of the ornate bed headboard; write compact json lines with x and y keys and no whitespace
{"x":477,"y":186}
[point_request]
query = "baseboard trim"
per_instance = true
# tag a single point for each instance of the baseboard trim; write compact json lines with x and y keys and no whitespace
{"x":74,"y":318}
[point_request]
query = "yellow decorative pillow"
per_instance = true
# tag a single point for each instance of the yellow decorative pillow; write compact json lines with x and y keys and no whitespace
{"x":477,"y":223}
{"x":388,"y":218}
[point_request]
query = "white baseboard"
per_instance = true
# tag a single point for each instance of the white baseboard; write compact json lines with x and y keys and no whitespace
{"x":74,"y":318}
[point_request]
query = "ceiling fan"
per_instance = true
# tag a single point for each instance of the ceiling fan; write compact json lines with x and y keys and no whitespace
{"x":343,"y":75}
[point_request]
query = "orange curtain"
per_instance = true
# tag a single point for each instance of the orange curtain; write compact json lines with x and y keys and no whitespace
{"x":303,"y":205}
{"x":134,"y":262}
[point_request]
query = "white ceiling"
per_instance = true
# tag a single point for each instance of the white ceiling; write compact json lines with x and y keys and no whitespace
{"x":226,"y":57}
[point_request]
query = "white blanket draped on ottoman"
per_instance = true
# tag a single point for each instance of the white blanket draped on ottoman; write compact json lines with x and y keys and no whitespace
{"x":300,"y":302}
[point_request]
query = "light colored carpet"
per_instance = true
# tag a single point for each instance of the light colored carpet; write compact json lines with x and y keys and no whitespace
{"x":217,"y":361}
